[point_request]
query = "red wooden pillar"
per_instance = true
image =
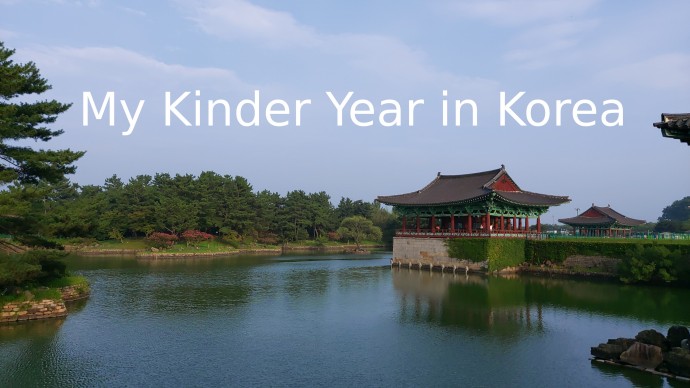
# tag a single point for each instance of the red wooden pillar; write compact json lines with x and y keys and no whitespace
{"x":502,"y":224}
{"x":488,"y":223}
{"x":469,"y":223}
{"x":519,"y":223}
{"x":452,"y":222}
{"x":432,"y":224}
{"x":526,"y":224}
{"x":538,"y":224}
{"x":417,"y":224}
{"x":514,"y":223}
{"x":404,"y":224}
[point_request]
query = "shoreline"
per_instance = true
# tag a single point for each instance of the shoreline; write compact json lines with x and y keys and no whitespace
{"x":46,"y":308}
{"x":147,"y":253}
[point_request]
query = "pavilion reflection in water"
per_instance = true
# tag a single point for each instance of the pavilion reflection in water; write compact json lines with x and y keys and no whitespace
{"x":494,"y":305}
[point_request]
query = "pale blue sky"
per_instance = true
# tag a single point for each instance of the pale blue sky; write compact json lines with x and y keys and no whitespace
{"x":634,"y":51}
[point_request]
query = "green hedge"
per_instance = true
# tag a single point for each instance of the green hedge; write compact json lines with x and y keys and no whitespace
{"x":503,"y":253}
{"x":500,"y":253}
{"x":539,"y":251}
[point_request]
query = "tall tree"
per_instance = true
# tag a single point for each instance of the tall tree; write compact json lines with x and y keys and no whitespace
{"x":321,"y":213}
{"x":675,"y":217}
{"x":297,"y":214}
{"x":23,"y":120}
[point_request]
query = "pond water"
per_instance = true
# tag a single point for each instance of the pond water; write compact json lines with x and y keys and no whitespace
{"x":330,"y":320}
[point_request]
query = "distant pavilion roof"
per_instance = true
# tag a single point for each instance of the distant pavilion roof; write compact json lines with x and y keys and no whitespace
{"x":601,"y":216}
{"x":457,"y":189}
{"x":675,"y":125}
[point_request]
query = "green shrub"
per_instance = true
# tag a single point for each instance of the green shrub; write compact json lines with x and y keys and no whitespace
{"x":653,"y":264}
{"x":500,"y":253}
{"x":15,"y":270}
{"x":38,"y":241}
{"x":504,"y":253}
{"x":161,"y":240}
{"x":539,"y":251}
{"x":31,"y":268}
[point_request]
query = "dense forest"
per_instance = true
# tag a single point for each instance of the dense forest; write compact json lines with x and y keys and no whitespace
{"x":221,"y":205}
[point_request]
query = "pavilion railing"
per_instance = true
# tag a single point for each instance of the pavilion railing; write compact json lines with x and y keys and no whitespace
{"x":445,"y":233}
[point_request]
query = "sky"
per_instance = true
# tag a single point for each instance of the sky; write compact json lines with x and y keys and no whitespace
{"x":385,"y":52}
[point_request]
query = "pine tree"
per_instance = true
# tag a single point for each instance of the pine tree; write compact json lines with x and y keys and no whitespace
{"x":21,"y":121}
{"x":22,"y":166}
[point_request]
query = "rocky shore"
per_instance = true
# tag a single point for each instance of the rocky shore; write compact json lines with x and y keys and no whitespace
{"x":650,"y":351}
{"x":30,"y":310}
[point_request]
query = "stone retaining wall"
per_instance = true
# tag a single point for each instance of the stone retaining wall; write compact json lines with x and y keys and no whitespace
{"x":601,"y":263}
{"x":72,"y":293}
{"x":43,"y":309}
{"x":432,"y":253}
{"x":31,"y":310}
{"x":429,"y":253}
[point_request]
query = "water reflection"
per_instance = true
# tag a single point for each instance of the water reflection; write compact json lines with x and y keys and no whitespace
{"x":511,"y":305}
{"x":45,"y":328}
{"x":486,"y":305}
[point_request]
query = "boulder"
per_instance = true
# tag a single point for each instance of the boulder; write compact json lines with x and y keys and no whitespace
{"x":608,"y":351}
{"x":678,"y":361}
{"x":676,"y":334}
{"x":652,"y":337}
{"x":626,"y":343}
{"x":643,"y":355}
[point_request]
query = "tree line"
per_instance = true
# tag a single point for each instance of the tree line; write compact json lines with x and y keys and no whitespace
{"x":221,"y":205}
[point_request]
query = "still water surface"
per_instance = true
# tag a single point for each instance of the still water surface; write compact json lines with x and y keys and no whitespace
{"x":330,"y":320}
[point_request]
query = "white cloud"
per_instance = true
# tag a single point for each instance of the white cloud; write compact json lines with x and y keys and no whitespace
{"x":552,"y":43}
{"x":518,"y":12}
{"x":545,"y":31}
{"x":79,"y":3}
{"x":385,"y":57}
{"x":133,"y":11}
{"x":120,"y":63}
{"x":239,"y":19}
{"x":663,"y":72}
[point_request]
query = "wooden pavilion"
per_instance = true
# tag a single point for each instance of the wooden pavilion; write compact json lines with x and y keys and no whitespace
{"x":482,"y":204}
{"x":598,"y":221}
{"x":675,"y":126}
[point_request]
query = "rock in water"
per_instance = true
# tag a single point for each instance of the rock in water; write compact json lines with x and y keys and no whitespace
{"x":652,"y":337}
{"x":624,"y":342}
{"x":643,"y":355}
{"x":678,"y":361}
{"x":608,"y":351}
{"x":677,"y":334}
